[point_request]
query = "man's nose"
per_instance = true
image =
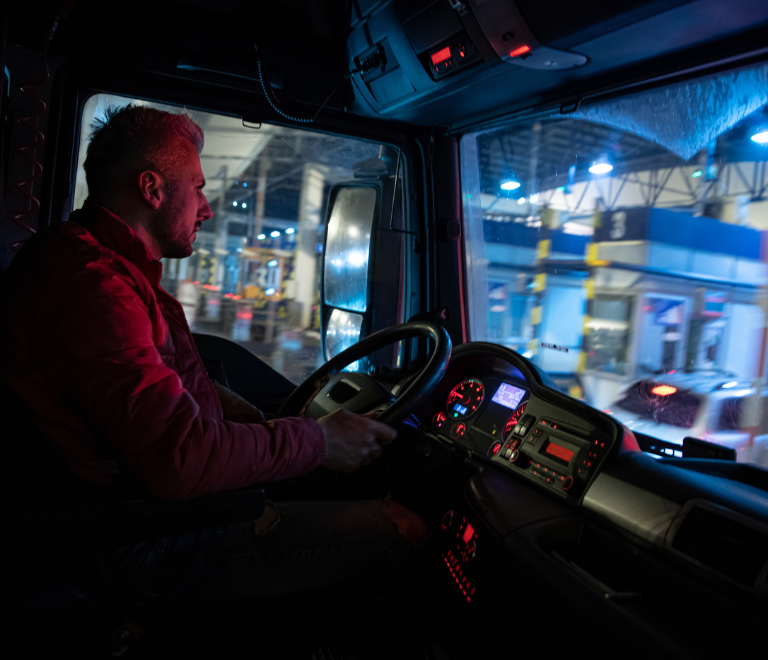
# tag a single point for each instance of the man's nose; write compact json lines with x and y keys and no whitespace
{"x":206,"y":212}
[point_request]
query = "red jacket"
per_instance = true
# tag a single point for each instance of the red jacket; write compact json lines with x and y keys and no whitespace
{"x":104,"y":363}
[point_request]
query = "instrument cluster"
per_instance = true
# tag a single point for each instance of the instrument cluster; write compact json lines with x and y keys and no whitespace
{"x":464,"y":408}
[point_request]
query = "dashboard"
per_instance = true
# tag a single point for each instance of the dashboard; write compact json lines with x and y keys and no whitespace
{"x":491,"y":408}
{"x":559,"y":504}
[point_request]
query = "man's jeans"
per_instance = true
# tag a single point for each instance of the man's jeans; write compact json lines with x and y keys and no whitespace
{"x":313,"y":545}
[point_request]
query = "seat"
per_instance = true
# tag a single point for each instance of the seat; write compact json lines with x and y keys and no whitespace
{"x":58,"y":594}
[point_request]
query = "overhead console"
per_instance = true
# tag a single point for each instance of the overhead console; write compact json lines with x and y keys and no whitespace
{"x":430,"y":42}
{"x":438,"y":62}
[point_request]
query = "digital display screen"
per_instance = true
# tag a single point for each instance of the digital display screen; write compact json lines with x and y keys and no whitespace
{"x":462,"y":410}
{"x":508,"y":396}
{"x":558,"y":451}
{"x":441,"y":55}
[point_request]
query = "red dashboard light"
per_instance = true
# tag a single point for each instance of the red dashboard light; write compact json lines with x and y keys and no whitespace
{"x":663,"y":390}
{"x":441,"y":55}
{"x":522,"y":50}
{"x":469,"y":532}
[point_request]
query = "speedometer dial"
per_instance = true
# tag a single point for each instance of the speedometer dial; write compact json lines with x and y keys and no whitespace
{"x":514,"y":418}
{"x":465,"y":399}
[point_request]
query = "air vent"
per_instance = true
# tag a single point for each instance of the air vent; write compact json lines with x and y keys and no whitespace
{"x":723,"y":544}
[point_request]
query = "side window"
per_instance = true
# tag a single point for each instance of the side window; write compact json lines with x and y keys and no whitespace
{"x":255,"y":273}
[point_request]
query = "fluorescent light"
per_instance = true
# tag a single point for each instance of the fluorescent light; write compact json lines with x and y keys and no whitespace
{"x":510,"y":185}
{"x":601,"y":168}
{"x":274,"y":234}
{"x":521,"y":200}
{"x":290,"y":230}
{"x":261,"y":237}
{"x":534,"y":198}
{"x":760,"y":138}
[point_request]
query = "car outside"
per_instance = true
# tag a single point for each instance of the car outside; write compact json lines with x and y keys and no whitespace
{"x":706,"y":405}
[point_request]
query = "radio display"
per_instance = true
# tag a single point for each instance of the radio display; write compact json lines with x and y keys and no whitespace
{"x":441,"y":55}
{"x":508,"y":396}
{"x":558,"y":451}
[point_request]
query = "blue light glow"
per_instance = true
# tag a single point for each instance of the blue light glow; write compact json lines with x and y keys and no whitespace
{"x":270,"y":292}
{"x":274,"y":234}
{"x":601,"y":168}
{"x":760,"y":138}
{"x":261,"y":237}
{"x":697,"y":174}
{"x":510,"y":185}
{"x":245,"y":185}
{"x":290,"y":230}
{"x":272,"y":263}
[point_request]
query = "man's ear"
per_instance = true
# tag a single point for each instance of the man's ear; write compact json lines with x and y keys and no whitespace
{"x":152,"y":188}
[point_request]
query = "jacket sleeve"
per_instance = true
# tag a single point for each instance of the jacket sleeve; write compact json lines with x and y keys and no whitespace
{"x":96,"y":345}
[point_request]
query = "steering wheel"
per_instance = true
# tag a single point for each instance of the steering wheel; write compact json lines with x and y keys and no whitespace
{"x":329,"y":388}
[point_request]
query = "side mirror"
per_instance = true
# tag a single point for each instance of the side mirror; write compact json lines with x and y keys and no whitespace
{"x":345,"y":298}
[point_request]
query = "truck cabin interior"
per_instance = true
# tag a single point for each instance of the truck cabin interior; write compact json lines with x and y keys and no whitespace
{"x":571,"y":194}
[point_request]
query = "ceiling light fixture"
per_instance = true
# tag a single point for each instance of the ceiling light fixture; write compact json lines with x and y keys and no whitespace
{"x":510,"y":185}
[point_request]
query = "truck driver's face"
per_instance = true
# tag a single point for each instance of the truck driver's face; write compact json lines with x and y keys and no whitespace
{"x":185,"y":208}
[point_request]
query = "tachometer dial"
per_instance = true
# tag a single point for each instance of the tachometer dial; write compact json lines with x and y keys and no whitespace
{"x":514,"y":418}
{"x":465,"y":399}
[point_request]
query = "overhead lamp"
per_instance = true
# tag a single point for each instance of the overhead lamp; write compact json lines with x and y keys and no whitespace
{"x":761,"y":137}
{"x":510,"y":185}
{"x":245,"y":206}
{"x":261,"y":237}
{"x":601,"y":167}
{"x":521,"y":200}
{"x":234,"y":203}
{"x":274,"y":234}
{"x":290,"y":230}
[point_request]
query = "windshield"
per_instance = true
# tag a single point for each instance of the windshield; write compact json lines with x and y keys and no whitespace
{"x":624,"y":248}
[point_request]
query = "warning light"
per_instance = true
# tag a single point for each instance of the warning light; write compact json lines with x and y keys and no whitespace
{"x":522,"y":50}
{"x":441,"y":55}
{"x":663,"y":390}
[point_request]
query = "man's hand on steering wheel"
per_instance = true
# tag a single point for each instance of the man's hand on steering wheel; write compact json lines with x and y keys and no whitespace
{"x":353,"y":440}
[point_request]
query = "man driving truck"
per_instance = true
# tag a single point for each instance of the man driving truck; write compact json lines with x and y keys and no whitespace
{"x":103,"y":361}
